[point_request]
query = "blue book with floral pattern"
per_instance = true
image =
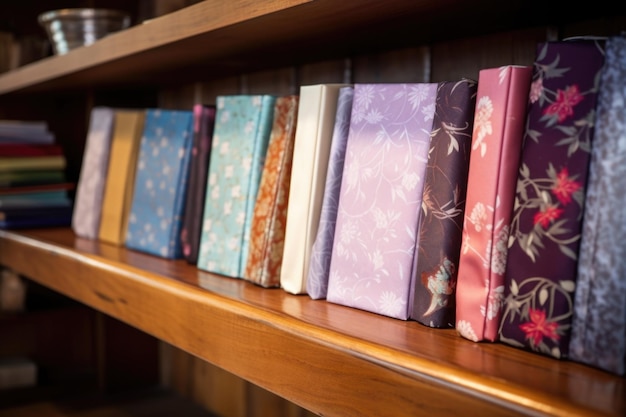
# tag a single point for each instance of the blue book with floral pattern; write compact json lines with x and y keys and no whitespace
{"x":161,"y":183}
{"x":241,"y":135}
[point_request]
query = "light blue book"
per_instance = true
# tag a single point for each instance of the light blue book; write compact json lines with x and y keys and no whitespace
{"x":243,"y":124}
{"x":161,"y":183}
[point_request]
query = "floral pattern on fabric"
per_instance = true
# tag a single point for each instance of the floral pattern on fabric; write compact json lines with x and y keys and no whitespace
{"x":240,"y":137}
{"x":267,"y":233}
{"x":160,"y":183}
{"x":380,"y":198}
{"x":496,"y":148}
{"x":321,"y":252}
{"x":533,"y":303}
{"x":547,"y":219}
{"x":443,"y":205}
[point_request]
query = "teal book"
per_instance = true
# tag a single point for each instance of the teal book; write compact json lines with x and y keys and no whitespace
{"x":51,"y":198}
{"x":161,"y":183}
{"x":243,"y":124}
{"x":49,"y":208}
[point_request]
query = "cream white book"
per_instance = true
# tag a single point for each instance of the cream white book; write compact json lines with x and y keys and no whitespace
{"x":316,"y":120}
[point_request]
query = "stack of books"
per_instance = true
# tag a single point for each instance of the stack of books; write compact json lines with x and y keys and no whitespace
{"x":33,"y":185}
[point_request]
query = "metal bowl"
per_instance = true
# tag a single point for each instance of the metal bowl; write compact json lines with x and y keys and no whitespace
{"x":71,"y":28}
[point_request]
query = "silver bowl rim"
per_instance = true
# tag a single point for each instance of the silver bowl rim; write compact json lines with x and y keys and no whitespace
{"x":81,"y":13}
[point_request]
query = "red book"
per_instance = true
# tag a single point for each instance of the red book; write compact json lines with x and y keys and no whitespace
{"x":21,"y":149}
{"x":67,"y":186}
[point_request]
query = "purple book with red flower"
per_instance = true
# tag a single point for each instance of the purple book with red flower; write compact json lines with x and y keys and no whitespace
{"x":546,"y":227}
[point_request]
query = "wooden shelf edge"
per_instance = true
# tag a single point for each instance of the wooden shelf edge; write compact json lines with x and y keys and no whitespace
{"x":201,"y":18}
{"x":214,"y":39}
{"x":272,"y":349}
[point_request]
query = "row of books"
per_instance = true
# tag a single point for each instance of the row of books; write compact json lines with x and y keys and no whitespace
{"x":357,"y":194}
{"x":34,"y":190}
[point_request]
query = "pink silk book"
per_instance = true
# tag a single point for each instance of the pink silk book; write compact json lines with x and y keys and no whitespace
{"x":380,"y":198}
{"x":499,"y":120}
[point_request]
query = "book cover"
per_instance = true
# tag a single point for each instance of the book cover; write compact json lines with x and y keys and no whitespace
{"x":376,"y":233}
{"x":22,"y":150}
{"x":52,"y":198}
{"x":51,"y":211}
{"x":32,"y":163}
{"x":267,"y":233}
{"x":321,"y":252}
{"x":15,"y":213}
{"x":36,"y":221}
{"x":22,"y":178}
{"x":25,"y":132}
{"x":90,"y":188}
{"x":498,"y":128}
{"x":120,"y":179}
{"x":242,"y":129}
{"x":316,"y":119}
{"x":549,"y":201}
{"x":203,"y":124}
{"x":26,"y":189}
{"x":22,"y":126}
{"x":432,"y":296}
{"x":600,"y":297}
{"x":161,"y":183}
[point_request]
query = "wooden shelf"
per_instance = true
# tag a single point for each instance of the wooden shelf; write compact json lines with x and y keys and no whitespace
{"x":215,"y":38}
{"x":327,"y":358}
{"x":330,"y":359}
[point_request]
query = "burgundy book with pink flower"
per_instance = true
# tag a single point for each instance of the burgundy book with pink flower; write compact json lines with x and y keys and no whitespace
{"x":498,"y":128}
{"x":546,"y":227}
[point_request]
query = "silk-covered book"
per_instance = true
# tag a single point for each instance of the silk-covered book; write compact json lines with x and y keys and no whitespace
{"x":203,"y":124}
{"x":497,"y":133}
{"x":319,"y":263}
{"x":26,"y":132}
{"x":267,"y":233}
{"x":92,"y":179}
{"x":161,"y":183}
{"x":542,"y":260}
{"x":34,"y":189}
{"x":316,"y":121}
{"x":376,"y":232}
{"x":433,"y":292}
{"x":241,"y":134}
{"x":120,"y":181}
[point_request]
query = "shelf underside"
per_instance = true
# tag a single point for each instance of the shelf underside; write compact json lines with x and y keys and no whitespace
{"x":214,"y":39}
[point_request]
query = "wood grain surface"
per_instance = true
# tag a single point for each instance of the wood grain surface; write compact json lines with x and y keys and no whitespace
{"x":330,"y":359}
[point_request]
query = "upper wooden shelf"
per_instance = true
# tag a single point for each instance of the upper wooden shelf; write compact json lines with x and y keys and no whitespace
{"x":330,"y":359}
{"x":215,"y":38}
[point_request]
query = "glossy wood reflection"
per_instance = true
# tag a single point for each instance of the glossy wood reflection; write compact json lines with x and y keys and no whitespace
{"x":280,"y":341}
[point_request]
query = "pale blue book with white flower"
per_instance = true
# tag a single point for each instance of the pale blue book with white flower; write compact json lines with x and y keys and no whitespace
{"x":161,"y":183}
{"x":241,"y":135}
